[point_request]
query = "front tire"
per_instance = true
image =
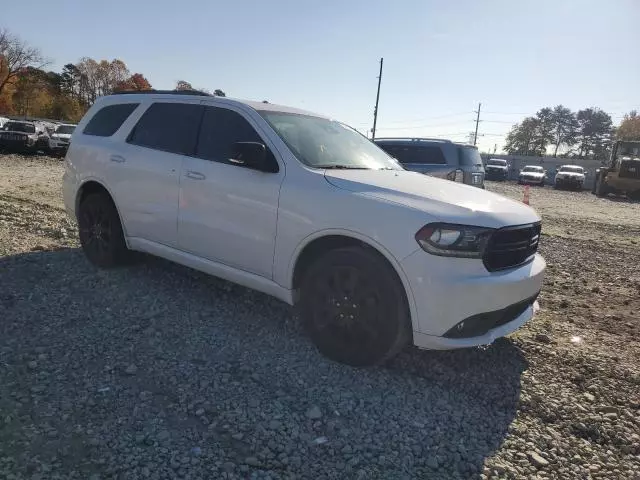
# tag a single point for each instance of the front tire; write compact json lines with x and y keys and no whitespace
{"x":354,"y":307}
{"x":100,"y":230}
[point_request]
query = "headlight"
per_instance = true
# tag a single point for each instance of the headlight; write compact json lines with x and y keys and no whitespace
{"x":450,"y":240}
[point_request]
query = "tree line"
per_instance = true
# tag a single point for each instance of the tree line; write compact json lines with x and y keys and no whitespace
{"x":588,"y":133}
{"x":28,"y":89}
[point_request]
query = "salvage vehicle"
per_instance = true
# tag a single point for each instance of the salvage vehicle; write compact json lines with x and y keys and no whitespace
{"x":570,"y":176}
{"x":496,"y":169}
{"x":59,"y":139}
{"x":622,"y":174}
{"x":459,"y":162}
{"x":532,"y":175}
{"x":21,"y":136}
{"x":308,"y":210}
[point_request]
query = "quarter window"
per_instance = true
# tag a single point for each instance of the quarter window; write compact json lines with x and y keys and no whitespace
{"x":109,"y":119}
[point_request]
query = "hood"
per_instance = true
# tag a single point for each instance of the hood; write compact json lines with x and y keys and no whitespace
{"x":569,"y":174}
{"x":65,"y":136}
{"x":497,"y":167}
{"x":445,"y":200}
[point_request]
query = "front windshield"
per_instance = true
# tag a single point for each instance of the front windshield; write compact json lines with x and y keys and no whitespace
{"x":498,"y":163}
{"x":532,"y":169}
{"x":322,"y":143}
{"x":571,"y":169}
{"x":20,"y":127}
{"x":65,"y":129}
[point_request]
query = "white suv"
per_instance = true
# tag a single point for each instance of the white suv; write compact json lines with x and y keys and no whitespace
{"x":307,"y":210}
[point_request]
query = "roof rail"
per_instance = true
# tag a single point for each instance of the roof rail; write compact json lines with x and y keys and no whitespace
{"x":162,"y":92}
{"x":415,"y":139}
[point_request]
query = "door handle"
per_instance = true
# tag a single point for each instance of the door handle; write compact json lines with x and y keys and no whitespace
{"x":117,"y":158}
{"x":195,"y":175}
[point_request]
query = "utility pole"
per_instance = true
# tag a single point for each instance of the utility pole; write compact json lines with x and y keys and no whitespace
{"x":475,"y":136}
{"x":375,"y":110}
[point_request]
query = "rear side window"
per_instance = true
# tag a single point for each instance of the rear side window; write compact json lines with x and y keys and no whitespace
{"x":170,"y":127}
{"x":421,"y":154}
{"x":109,"y":119}
{"x":221,"y":128}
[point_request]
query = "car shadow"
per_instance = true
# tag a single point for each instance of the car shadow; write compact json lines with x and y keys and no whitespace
{"x":195,"y":339}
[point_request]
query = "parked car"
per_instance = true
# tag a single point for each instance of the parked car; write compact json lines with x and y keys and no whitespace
{"x":21,"y":136}
{"x":532,"y":175}
{"x":496,"y":169}
{"x":570,"y":176}
{"x":438,"y":158}
{"x":308,"y":210}
{"x":59,"y":139}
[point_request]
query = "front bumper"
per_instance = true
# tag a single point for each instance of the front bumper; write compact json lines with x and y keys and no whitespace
{"x":447,"y":291}
{"x":58,"y":146}
{"x":531,"y":180}
{"x":17,"y":145}
{"x":569,"y":181}
{"x":499,"y":174}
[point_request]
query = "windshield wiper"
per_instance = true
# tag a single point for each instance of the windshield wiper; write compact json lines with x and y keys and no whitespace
{"x":342,"y":167}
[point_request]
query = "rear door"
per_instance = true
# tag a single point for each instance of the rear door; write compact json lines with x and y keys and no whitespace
{"x":145,"y":169}
{"x":428,"y":159}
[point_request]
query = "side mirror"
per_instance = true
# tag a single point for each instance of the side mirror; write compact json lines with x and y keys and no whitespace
{"x":252,"y":155}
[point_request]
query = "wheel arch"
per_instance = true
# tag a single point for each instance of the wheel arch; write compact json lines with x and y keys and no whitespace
{"x":92,"y":185}
{"x":320,"y":242}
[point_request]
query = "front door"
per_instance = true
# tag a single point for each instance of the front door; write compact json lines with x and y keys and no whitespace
{"x":228,"y":213}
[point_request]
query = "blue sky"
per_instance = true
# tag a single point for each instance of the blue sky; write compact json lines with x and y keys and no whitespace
{"x":440,"y":57}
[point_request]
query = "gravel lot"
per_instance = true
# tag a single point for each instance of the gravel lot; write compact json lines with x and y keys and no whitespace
{"x":157,"y":371}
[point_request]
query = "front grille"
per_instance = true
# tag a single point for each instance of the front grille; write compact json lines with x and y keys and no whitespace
{"x":512,"y":246}
{"x":630,"y":169}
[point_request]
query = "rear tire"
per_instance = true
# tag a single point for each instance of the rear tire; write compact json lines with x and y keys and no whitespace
{"x":100,"y":230}
{"x":354,"y":307}
{"x":600,"y":187}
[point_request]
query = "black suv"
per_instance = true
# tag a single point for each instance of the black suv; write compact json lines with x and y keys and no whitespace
{"x":22,"y":136}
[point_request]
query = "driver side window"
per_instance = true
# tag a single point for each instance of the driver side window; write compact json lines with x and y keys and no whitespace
{"x":220,"y":129}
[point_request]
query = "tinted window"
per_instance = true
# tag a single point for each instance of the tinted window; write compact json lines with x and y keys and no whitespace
{"x":109,"y":119}
{"x":415,"y":153}
{"x":469,"y":156}
{"x":170,"y":127}
{"x":221,"y":128}
{"x":20,"y":127}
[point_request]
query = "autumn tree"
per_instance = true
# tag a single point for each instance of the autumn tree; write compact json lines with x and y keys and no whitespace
{"x":137,"y":82}
{"x":15,"y":56}
{"x":32,"y":94}
{"x":98,"y":78}
{"x":629,"y":128}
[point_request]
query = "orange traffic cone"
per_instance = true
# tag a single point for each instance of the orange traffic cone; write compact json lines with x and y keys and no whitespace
{"x":525,"y":199}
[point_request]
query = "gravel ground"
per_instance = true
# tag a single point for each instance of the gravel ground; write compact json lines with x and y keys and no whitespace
{"x":157,"y":371}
